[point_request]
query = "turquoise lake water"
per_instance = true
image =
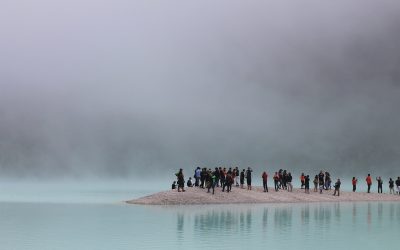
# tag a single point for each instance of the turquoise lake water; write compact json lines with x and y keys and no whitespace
{"x":93,"y":217}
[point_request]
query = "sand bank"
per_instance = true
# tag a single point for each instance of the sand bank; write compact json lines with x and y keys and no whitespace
{"x":194,"y":196}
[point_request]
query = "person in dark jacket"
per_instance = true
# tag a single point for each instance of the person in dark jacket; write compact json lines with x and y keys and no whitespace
{"x":248,"y":177}
{"x":391,"y":186}
{"x":265,"y":181}
{"x":242,"y":174}
{"x":321,"y":177}
{"x":228,"y":182}
{"x":398,"y":185}
{"x":181,"y":181}
{"x":307,"y":184}
{"x":380,"y":184}
{"x":289,"y":182}
{"x":337,"y":187}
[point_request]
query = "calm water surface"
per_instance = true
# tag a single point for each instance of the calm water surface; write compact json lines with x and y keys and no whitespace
{"x":91,"y":218}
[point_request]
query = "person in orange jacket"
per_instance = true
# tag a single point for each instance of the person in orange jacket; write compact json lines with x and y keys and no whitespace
{"x":369,"y":182}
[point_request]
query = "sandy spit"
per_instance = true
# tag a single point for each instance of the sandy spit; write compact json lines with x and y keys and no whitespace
{"x":199,"y":196}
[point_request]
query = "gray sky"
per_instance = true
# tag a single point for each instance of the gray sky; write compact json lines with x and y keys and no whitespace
{"x":118,"y":88}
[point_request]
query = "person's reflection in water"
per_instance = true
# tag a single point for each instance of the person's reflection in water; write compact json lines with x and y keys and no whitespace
{"x":179,"y":225}
{"x":391,"y":212}
{"x":369,"y":215}
{"x":354,"y":213}
{"x":337,"y":211}
{"x":380,"y":211}
{"x":248,"y":219}
{"x":265,"y":219}
{"x":241,"y":220}
{"x":305,"y":214}
{"x":283,"y":217}
{"x":323,"y":214}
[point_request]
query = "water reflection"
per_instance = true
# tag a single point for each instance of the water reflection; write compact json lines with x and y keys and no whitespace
{"x":323,"y":214}
{"x":354,"y":213}
{"x":271,"y":218}
{"x":215,"y":219}
{"x":369,"y":215}
{"x":265,"y":219}
{"x":283,"y":217}
{"x":180,"y":225}
{"x":305,"y":214}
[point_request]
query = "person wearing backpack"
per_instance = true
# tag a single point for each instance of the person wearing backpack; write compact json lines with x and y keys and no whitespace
{"x":337,"y":187}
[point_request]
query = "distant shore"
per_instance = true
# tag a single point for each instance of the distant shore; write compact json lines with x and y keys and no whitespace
{"x":198,"y":196}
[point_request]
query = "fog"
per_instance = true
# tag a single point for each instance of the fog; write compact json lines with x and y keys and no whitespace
{"x":140,"y":88}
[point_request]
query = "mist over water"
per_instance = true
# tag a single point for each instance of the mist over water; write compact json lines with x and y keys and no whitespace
{"x":137,"y":89}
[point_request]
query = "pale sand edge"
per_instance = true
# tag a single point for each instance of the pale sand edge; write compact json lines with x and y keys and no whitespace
{"x":198,"y":196}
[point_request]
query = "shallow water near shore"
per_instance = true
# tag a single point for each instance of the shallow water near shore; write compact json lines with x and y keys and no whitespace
{"x":98,"y":220}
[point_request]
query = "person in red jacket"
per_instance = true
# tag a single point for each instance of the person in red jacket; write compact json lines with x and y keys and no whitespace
{"x":265,"y":179}
{"x":369,"y":182}
{"x":354,"y":183}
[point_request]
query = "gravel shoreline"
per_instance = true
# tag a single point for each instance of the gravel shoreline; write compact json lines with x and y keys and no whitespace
{"x":199,"y":196}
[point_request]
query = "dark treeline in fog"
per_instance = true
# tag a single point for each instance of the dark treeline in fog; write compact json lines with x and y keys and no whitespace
{"x":128,"y":88}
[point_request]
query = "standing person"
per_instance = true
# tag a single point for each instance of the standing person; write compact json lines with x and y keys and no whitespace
{"x":302,"y":178}
{"x":265,"y":181}
{"x":173,"y":185}
{"x":248,"y":177}
{"x":307,"y":184}
{"x":242,"y":178}
{"x":237,"y":176}
{"x":203,"y":175}
{"x":391,"y":186}
{"x":398,"y":185}
{"x":337,"y":187}
{"x":380,"y":184}
{"x":354,"y":183}
{"x":197,"y":173}
{"x":222,"y":174}
{"x":181,"y":181}
{"x":229,"y":182}
{"x":276,"y":181}
{"x":289,"y":182}
{"x":327,"y":181}
{"x":280,"y":178}
{"x":284,"y":179}
{"x":369,"y":182}
{"x":216,"y":176}
{"x":213,"y":180}
{"x":315,"y":181}
{"x":321,"y":181}
{"x":214,"y":183}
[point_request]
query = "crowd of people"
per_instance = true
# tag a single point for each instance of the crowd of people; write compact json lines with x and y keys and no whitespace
{"x":225,"y":178}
